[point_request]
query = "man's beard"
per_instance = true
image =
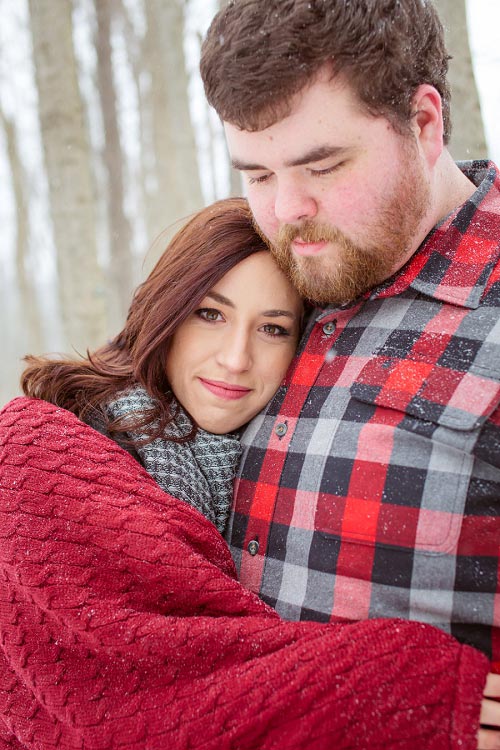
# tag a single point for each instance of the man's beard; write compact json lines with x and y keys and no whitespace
{"x":348,"y":269}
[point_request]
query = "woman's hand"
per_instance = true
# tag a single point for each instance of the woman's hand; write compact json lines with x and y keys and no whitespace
{"x":489,"y":739}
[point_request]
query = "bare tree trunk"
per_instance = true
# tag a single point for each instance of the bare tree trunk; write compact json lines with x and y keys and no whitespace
{"x":175,"y":186}
{"x":235,"y":182}
{"x":135,"y":55}
{"x":68,"y":166}
{"x":120,"y":233}
{"x":20,"y":330}
{"x":19,"y":183}
{"x":25,"y":288}
{"x":221,"y":161}
{"x":468,"y":140}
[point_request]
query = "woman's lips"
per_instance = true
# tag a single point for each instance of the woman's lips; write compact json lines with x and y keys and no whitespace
{"x":225,"y":390}
{"x":307,"y":248}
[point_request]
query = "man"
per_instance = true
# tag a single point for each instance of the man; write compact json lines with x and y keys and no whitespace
{"x":370,"y":487}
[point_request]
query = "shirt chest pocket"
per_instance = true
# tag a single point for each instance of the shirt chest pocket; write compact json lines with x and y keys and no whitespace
{"x":420,"y":425}
{"x":445,"y":396}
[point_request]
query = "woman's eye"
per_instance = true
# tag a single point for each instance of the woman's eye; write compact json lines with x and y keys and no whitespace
{"x":270,"y":329}
{"x":209,"y":314}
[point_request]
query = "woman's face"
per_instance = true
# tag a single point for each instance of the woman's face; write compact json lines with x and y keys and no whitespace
{"x":229,"y":356}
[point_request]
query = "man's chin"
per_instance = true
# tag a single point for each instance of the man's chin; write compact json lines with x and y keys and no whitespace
{"x":322,"y":285}
{"x":307,"y":274}
{"x":313,"y":286}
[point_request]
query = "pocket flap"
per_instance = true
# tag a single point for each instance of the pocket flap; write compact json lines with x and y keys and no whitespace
{"x":444,"y":395}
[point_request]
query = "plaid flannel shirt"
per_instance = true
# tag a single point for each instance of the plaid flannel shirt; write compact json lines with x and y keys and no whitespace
{"x":370,"y":487}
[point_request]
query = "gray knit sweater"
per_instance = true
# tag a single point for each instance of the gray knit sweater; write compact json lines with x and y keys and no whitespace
{"x":200,"y":471}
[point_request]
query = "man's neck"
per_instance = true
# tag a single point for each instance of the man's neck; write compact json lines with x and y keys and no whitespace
{"x":452,"y":187}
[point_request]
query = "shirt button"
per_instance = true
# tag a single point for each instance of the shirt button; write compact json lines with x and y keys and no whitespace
{"x":281,"y":429}
{"x":253,"y":547}
{"x":329,"y":327}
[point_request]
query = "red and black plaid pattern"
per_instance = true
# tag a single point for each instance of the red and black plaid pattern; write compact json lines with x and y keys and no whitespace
{"x":371,"y":485}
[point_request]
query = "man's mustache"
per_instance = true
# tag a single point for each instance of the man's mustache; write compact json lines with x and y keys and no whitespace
{"x":309,"y":231}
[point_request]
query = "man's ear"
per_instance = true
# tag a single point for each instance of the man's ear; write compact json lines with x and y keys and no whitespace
{"x":427,"y":121}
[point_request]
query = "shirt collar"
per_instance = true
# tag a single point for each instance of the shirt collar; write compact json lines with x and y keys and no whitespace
{"x":455,"y":261}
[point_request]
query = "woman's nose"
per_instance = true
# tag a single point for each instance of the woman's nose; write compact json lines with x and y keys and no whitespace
{"x":234,"y":354}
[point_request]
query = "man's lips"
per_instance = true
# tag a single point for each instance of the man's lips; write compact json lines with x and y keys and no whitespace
{"x":300,"y":247}
{"x":224,"y":390}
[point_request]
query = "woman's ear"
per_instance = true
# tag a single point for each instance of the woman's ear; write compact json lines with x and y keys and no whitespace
{"x":427,"y":121}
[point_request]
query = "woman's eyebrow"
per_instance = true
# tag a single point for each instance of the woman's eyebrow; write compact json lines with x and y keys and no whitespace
{"x":220,"y":299}
{"x":274,"y":313}
{"x":279,"y":314}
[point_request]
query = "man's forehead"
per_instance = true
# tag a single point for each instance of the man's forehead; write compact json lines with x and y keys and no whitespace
{"x":323,"y":103}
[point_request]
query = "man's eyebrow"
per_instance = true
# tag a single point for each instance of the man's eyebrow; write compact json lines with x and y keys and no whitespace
{"x":315,"y":154}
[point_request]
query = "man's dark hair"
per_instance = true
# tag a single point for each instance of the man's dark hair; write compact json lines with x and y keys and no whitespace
{"x":259,"y":53}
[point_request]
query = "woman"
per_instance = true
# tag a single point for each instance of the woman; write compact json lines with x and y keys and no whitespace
{"x":122,"y":623}
{"x":207,"y":341}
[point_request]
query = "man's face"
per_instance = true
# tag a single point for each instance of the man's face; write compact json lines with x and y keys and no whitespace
{"x":343,"y":198}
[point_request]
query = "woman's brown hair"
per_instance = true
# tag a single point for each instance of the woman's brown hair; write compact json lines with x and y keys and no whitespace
{"x":212,"y":242}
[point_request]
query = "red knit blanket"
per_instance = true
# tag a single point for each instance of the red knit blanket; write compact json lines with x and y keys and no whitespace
{"x":122,"y":625}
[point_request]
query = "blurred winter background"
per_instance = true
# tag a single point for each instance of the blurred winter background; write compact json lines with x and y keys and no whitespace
{"x":106,"y":143}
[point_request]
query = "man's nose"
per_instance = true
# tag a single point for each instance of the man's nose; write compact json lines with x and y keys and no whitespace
{"x":235,"y":355}
{"x":293,"y":203}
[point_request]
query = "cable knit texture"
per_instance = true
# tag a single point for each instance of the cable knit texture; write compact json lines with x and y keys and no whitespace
{"x":200,"y":471}
{"x":122,"y":625}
